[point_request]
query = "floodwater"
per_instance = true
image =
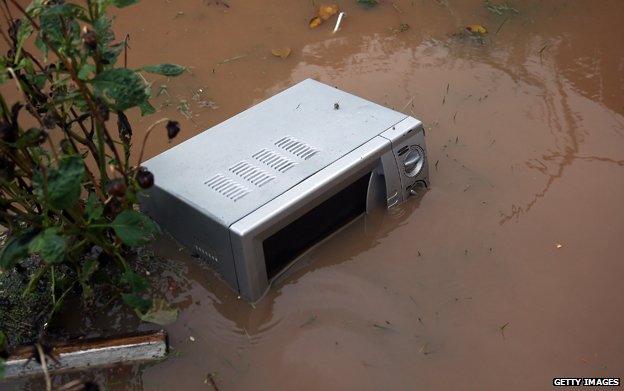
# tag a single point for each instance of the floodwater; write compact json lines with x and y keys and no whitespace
{"x":505,"y":274}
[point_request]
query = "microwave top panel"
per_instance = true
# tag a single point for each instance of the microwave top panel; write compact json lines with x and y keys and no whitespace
{"x":237,"y":166}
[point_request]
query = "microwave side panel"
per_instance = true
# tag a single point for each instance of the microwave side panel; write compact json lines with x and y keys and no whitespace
{"x":201,"y":234}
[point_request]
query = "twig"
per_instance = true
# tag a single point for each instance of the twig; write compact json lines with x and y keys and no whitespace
{"x":213,"y":383}
{"x":501,"y":26}
{"x":44,"y":366}
{"x":408,"y":103}
{"x":147,"y":133}
{"x":231,"y":59}
{"x":339,"y":21}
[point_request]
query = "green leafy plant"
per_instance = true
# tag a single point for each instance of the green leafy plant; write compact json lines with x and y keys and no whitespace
{"x":500,"y":9}
{"x":367,"y":3}
{"x":68,"y":187}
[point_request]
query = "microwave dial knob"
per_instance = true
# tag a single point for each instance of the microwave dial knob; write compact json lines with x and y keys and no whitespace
{"x":413,"y":161}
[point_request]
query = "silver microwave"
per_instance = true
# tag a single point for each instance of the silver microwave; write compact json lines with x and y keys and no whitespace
{"x":251,"y":194}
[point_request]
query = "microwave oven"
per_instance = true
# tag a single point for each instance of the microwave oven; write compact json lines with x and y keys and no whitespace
{"x":251,"y":194}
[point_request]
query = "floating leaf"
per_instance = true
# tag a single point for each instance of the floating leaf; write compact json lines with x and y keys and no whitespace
{"x":124,"y":86}
{"x":16,"y":249}
{"x":147,"y":108}
{"x":476,"y":29}
{"x":134,"y":228}
{"x":139,"y":304}
{"x":315,"y":22}
{"x":136,"y":282}
{"x":283,"y":52}
{"x":124,"y":3}
{"x":326,"y":11}
{"x":367,"y":3}
{"x":49,"y":245}
{"x":63,"y":184}
{"x":160,"y":313}
{"x":165,"y":69}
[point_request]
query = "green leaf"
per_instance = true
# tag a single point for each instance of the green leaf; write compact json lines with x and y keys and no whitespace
{"x":147,"y":108}
{"x":16,"y":249}
{"x":124,"y":86}
{"x":105,"y":36}
{"x":85,"y":70}
{"x":58,"y":21}
{"x":30,"y":138}
{"x":38,"y":79}
{"x":43,"y":48}
{"x":23,"y":32}
{"x":4,"y":75}
{"x":88,"y":268}
{"x":34,"y":280}
{"x":137,"y":283}
{"x":137,"y":302}
{"x":93,"y":209}
{"x":160,"y":313}
{"x":63,"y":184}
{"x":124,"y":3}
{"x":367,"y":3}
{"x":49,"y":245}
{"x":165,"y":69}
{"x":134,"y":228}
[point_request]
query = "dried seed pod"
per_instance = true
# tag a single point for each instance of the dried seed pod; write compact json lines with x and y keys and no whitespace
{"x":89,"y":38}
{"x":173,"y":128}
{"x":103,"y":110}
{"x":67,"y":147}
{"x":33,"y":137}
{"x":49,"y":120}
{"x":8,"y":132}
{"x":116,"y":188}
{"x":145,"y":178}
{"x":7,"y":169}
{"x":123,"y":126}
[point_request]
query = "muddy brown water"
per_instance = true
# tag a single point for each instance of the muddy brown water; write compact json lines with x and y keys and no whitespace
{"x":464,"y":288}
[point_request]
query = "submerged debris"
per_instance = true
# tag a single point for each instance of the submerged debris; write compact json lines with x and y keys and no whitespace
{"x":403,"y":27}
{"x":338,"y":22}
{"x":308,"y":322}
{"x":324,"y":12}
{"x":476,"y":29}
{"x":500,"y":9}
{"x":281,"y":52}
{"x":367,"y":3}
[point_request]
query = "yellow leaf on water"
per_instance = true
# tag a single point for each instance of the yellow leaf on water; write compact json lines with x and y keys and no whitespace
{"x":315,"y":22}
{"x":282,"y":52}
{"x":326,"y":11}
{"x":476,"y":29}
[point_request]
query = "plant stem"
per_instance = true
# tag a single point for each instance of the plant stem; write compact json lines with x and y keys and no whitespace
{"x":147,"y":133}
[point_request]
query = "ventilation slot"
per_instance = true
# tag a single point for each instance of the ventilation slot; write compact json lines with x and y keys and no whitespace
{"x":251,"y":173}
{"x":227,"y":187}
{"x":206,"y":255}
{"x":297,"y":148}
{"x":403,"y":150}
{"x":274,"y":160}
